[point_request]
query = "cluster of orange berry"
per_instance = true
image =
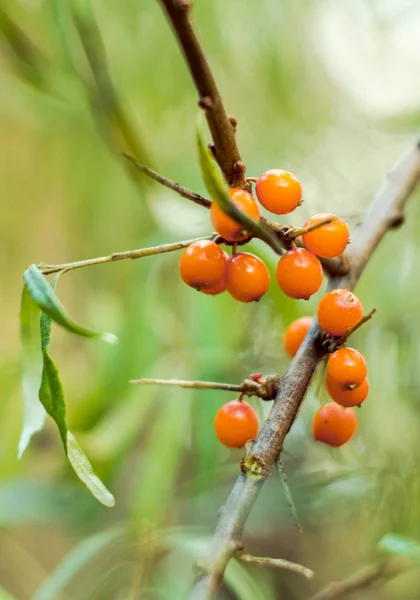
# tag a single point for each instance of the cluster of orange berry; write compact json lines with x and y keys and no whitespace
{"x":207,"y":268}
{"x":347,"y":383}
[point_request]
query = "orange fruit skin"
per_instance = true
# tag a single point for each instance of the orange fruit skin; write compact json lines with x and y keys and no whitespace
{"x":347,"y":397}
{"x":230,"y":230}
{"x":299,"y":273}
{"x":236,"y":422}
{"x":278,"y":191}
{"x":334,"y":425}
{"x":248,"y":277}
{"x":295,"y":334}
{"x":217,"y":288}
{"x":328,"y":240}
{"x":347,"y":367}
{"x":203,"y":264}
{"x":338,"y":311}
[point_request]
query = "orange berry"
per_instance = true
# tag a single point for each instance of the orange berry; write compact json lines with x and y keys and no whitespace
{"x":334,"y":425}
{"x":346,"y":397}
{"x":328,"y":240}
{"x":278,"y":191}
{"x":299,"y":273}
{"x":236,"y":422}
{"x":230,"y":230}
{"x":295,"y":334}
{"x":248,"y":277}
{"x":338,"y":311}
{"x":347,"y":367}
{"x":217,"y":288}
{"x":203,"y":264}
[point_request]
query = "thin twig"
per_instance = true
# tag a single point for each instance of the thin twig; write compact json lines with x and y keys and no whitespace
{"x":264,"y":388}
{"x":279,"y":563}
{"x":364,"y":578}
{"x":133,"y":254}
{"x":331,"y":344}
{"x":362,"y":321}
{"x":298,"y":232}
{"x":172,"y":185}
{"x":379,"y":218}
{"x":221,"y":128}
{"x":288,"y":494}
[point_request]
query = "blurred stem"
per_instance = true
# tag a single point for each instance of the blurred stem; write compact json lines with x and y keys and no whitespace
{"x":288,"y":493}
{"x":379,"y":573}
{"x":279,"y":563}
{"x":115,"y":256}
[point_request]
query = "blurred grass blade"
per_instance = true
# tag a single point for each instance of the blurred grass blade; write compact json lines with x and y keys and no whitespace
{"x":75,"y":561}
{"x":43,"y":294}
{"x":33,"y":411}
{"x":85,"y":472}
{"x":219,"y":193}
{"x":400,"y":545}
{"x":4,"y":595}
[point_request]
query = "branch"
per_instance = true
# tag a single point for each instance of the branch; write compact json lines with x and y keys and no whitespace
{"x":381,"y":215}
{"x":221,"y":128}
{"x":364,"y":578}
{"x":133,"y":254}
{"x":279,"y":563}
{"x":265,"y":389}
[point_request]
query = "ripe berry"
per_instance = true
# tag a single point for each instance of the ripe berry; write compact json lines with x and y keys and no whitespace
{"x":217,"y":288}
{"x":295,"y":334}
{"x":229,"y":229}
{"x":248,"y":277}
{"x":334,"y":425}
{"x":347,"y":397}
{"x":236,"y":422}
{"x":278,"y":191}
{"x":338,"y":311}
{"x":328,"y":240}
{"x":347,"y":367}
{"x":203,"y":264}
{"x":299,"y":273}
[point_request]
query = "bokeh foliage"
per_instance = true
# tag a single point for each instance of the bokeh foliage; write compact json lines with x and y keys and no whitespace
{"x":292,"y":74}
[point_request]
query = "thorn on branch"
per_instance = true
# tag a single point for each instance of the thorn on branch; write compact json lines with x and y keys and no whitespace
{"x":331,"y":344}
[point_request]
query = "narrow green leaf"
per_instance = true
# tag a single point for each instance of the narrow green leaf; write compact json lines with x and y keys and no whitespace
{"x":33,"y":411}
{"x":219,"y":192}
{"x":73,"y":562}
{"x":400,"y":545}
{"x":85,"y":472}
{"x":43,"y":294}
{"x":51,"y":395}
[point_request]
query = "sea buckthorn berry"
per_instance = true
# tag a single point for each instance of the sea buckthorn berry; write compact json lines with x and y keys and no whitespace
{"x":345,"y":396}
{"x":338,"y":311}
{"x":230,"y":230}
{"x":278,"y":191}
{"x":218,"y":287}
{"x":236,"y":422}
{"x":248,"y":277}
{"x":334,"y":425}
{"x":299,"y":273}
{"x":347,"y":367}
{"x":203,"y":264}
{"x":327,"y":240}
{"x":295,"y":334}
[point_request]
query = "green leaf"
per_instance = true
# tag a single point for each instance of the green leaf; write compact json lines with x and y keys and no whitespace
{"x":51,"y":395}
{"x":219,"y":192}
{"x":85,"y":472}
{"x":43,"y":294}
{"x":33,"y":411}
{"x":398,"y":544}
{"x":75,"y":561}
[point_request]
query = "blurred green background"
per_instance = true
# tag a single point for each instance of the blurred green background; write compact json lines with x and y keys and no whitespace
{"x":326,"y":89}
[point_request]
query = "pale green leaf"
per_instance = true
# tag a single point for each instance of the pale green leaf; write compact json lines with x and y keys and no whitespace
{"x":33,"y":411}
{"x":43,"y":294}
{"x":85,"y":472}
{"x":400,"y":545}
